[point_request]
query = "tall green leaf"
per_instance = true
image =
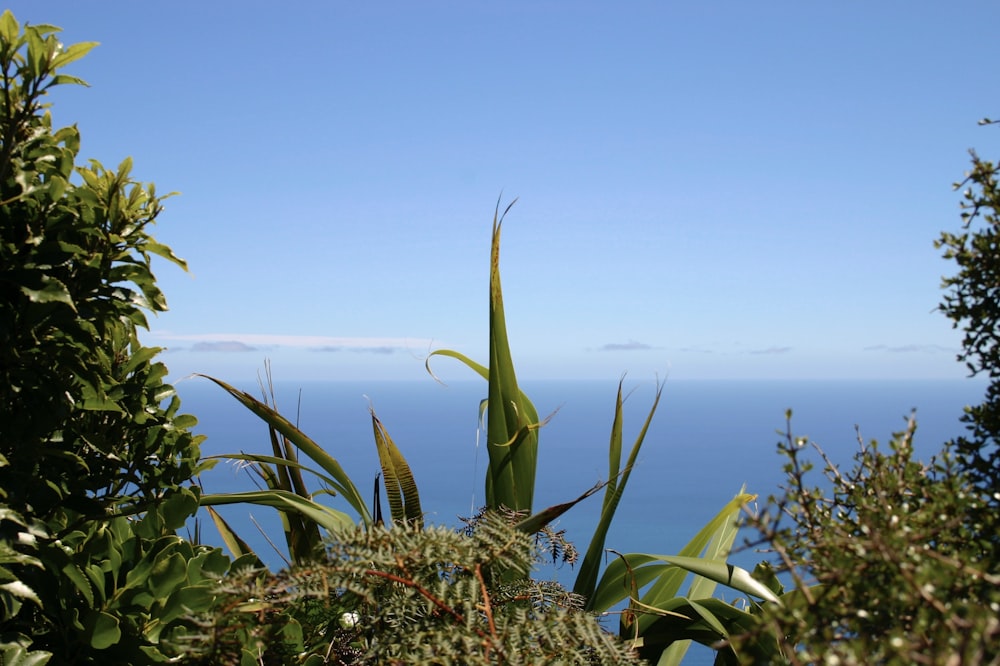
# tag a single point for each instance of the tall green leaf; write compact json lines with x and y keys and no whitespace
{"x":236,"y":546}
{"x":511,"y":419}
{"x":511,"y":438}
{"x":618,"y":477}
{"x":650,"y":616}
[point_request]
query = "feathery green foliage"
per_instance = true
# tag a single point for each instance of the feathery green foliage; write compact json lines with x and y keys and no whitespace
{"x":409,"y":596}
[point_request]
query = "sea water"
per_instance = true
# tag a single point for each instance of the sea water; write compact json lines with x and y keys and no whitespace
{"x":707,"y":440}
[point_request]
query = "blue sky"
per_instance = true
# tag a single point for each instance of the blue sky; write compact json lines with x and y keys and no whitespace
{"x":705,"y":190}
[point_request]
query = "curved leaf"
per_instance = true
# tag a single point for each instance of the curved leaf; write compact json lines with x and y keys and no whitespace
{"x":722,"y":572}
{"x":305,"y":445}
{"x":613,"y":587}
{"x":324,"y":516}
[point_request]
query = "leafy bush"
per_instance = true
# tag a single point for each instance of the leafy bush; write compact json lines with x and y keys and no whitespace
{"x":972,"y":302}
{"x":96,"y":461}
{"x":886,"y":561}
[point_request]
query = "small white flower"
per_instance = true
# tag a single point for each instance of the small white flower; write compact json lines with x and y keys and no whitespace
{"x":349,"y":620}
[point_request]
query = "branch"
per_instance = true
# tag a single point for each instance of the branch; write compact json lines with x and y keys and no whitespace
{"x":423,"y":592}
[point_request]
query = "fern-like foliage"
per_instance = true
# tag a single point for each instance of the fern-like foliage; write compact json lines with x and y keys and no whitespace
{"x":409,"y":596}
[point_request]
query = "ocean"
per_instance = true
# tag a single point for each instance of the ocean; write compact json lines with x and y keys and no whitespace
{"x":707,"y":440}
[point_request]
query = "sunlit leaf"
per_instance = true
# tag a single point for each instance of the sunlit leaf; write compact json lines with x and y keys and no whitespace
{"x":324,"y":516}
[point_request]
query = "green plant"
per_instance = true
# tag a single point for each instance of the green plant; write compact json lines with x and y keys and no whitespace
{"x":972,"y":302}
{"x":409,"y":596}
{"x":659,"y":630}
{"x":885,"y":561}
{"x":512,"y":442}
{"x":96,"y":461}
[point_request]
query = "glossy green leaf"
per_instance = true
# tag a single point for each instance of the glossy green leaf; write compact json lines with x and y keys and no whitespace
{"x":178,"y":507}
{"x":80,"y":581}
{"x":15,"y":655}
{"x":103,"y":630}
{"x":51,"y":291}
{"x":62,"y":79}
{"x":169,"y":570}
{"x":9,"y":28}
{"x":21,"y":591}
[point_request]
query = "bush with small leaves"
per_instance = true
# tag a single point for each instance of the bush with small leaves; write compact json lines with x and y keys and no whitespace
{"x":886,"y":561}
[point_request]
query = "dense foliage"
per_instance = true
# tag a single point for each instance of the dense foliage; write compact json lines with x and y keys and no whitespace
{"x":972,"y":302}
{"x":95,"y":459}
{"x":409,"y":595}
{"x":886,"y":558}
{"x":891,"y":560}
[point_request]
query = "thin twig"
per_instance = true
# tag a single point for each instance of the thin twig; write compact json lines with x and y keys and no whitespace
{"x":487,"y":606}
{"x":424,"y":593}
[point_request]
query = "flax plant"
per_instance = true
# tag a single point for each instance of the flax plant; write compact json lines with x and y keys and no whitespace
{"x":659,"y":619}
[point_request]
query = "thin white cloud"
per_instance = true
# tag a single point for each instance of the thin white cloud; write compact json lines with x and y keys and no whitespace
{"x":385,"y":349}
{"x":631,"y":345}
{"x":905,"y":349}
{"x":222,"y":346}
{"x":771,"y":350}
{"x":374,"y":350}
{"x":315,"y":342}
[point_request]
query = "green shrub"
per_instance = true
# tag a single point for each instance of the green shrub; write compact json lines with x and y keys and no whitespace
{"x":886,"y":561}
{"x":972,"y":302}
{"x":96,"y":461}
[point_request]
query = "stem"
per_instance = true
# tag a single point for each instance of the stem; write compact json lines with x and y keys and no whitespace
{"x":487,"y":607}
{"x":424,"y":593}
